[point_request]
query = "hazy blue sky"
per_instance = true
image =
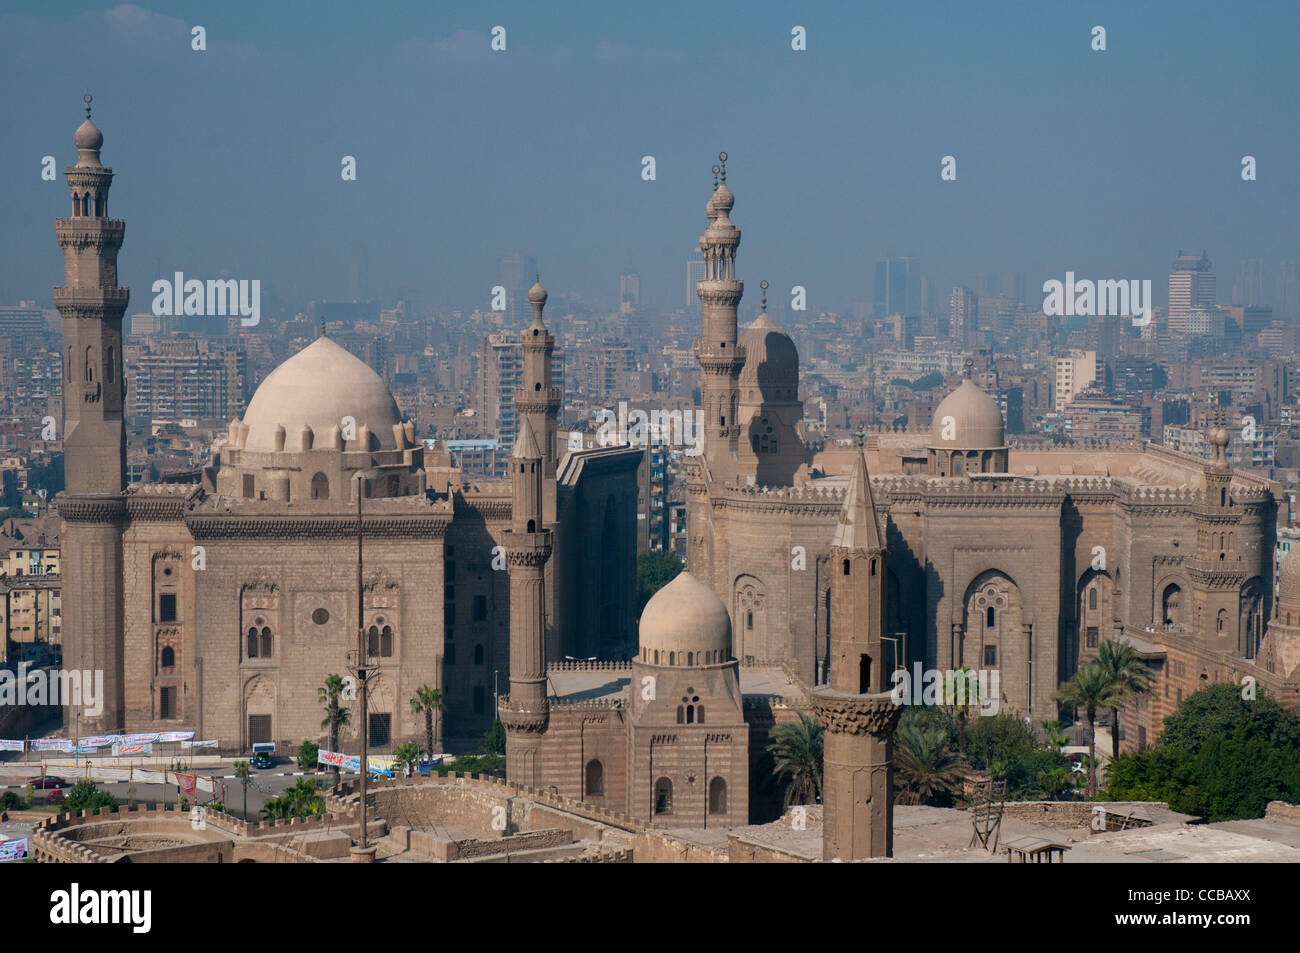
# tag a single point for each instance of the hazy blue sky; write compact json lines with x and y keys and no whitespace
{"x":229,"y":159}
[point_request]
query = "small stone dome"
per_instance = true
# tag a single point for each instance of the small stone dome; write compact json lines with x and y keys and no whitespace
{"x":723,"y":201}
{"x":976,"y":418}
{"x":537,"y":294}
{"x":318,"y":387}
{"x":771,"y":358}
{"x":88,"y":136}
{"x":683,"y":619}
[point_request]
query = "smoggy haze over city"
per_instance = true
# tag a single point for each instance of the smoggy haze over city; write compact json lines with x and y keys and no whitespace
{"x":1102,"y":163}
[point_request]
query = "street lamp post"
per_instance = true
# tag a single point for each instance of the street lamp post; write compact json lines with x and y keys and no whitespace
{"x":363,"y":854}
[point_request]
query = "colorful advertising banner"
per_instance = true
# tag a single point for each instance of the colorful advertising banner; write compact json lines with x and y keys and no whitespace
{"x":142,"y":739}
{"x":52,"y":744}
{"x":384,"y":766}
{"x":176,"y":736}
{"x":335,"y":759}
{"x":11,"y":745}
{"x":121,"y":749}
{"x":99,"y":741}
{"x":186,"y":783}
{"x":14,"y":849}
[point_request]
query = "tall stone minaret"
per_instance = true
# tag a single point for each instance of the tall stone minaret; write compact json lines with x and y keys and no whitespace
{"x":525,"y":712}
{"x":716,"y":351}
{"x":857,"y":713}
{"x":93,"y":508}
{"x":536,"y":400}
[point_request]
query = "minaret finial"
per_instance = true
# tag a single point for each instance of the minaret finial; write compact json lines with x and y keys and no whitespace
{"x":87,"y":99}
{"x":715,"y":177}
{"x":323,"y":332}
{"x":862,"y":437}
{"x":966,"y":368}
{"x":722,"y":160}
{"x":763,"y":285}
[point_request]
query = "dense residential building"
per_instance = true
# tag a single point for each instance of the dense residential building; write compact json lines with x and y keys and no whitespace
{"x":1075,"y":372}
{"x":186,"y":378}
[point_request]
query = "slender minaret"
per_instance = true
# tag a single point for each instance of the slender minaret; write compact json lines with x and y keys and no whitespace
{"x":856,"y":712}
{"x":536,"y":400}
{"x":93,"y":506}
{"x":524,"y":713}
{"x":720,"y":360}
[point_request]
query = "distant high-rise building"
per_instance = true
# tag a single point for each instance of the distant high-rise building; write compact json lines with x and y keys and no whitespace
{"x":1075,"y":370}
{"x":516,"y":273}
{"x":694,"y":275}
{"x":359,"y":274}
{"x":500,"y":373}
{"x":963,"y":310}
{"x":898,"y":287}
{"x":1248,"y":286}
{"x":629,"y":294}
{"x":1191,"y":288}
{"x":1286,"y":302}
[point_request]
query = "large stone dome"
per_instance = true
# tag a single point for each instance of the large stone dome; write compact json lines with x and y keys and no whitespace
{"x":771,"y":359}
{"x":684,"y":623}
{"x":976,"y":420}
{"x":320,"y":386}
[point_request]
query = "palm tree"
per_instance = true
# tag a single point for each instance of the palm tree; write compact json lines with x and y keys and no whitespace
{"x":406,"y":755}
{"x":1091,"y":689}
{"x":1129,"y":674}
{"x":796,"y":749}
{"x":427,"y":701}
{"x":242,"y":773}
{"x":926,"y":767}
{"x":336,"y":716}
{"x":1056,"y":736}
{"x":962,"y":694}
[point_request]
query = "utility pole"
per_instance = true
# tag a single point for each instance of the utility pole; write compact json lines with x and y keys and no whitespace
{"x":363,"y":853}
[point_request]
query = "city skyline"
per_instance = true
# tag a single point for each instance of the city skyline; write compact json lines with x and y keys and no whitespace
{"x":232,"y":175}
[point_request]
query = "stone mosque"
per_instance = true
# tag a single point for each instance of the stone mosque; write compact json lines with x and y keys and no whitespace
{"x":222,"y":601}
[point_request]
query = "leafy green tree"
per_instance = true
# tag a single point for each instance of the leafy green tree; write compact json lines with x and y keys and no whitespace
{"x":927,"y":770}
{"x":1216,"y":711}
{"x":301,"y":800}
{"x":494,"y":742}
{"x":655,"y":568}
{"x":307,"y":752}
{"x":797,"y":749}
{"x":336,"y":716}
{"x":1090,"y":690}
{"x":428,"y":702}
{"x":1002,"y":737}
{"x":1129,"y":674}
{"x":961,"y":694}
{"x":1056,"y":782}
{"x":9,"y":801}
{"x":85,"y":796}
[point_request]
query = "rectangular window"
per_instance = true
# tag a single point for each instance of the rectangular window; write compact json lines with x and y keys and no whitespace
{"x":167,"y":607}
{"x":1092,"y":636}
{"x":480,"y":608}
{"x":990,"y":656}
{"x":381,"y":725}
{"x":166,"y":703}
{"x":248,"y":486}
{"x":259,"y":728}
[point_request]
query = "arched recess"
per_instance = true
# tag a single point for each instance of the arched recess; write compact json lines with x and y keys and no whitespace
{"x":320,"y":487}
{"x":1094,"y":611}
{"x":259,"y":710}
{"x":718,"y":796}
{"x":1251,"y":622}
{"x":991,"y":627}
{"x":1172,"y":602}
{"x":749,"y":615}
{"x":595,"y":779}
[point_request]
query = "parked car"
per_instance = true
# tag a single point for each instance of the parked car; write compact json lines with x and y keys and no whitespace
{"x":54,"y":797}
{"x":49,"y":781}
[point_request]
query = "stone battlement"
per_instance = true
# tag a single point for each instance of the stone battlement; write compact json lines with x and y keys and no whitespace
{"x":587,"y":665}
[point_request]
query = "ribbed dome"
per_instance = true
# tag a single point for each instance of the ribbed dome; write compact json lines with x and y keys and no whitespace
{"x":976,"y":418}
{"x":723,"y":200}
{"x":88,"y":136}
{"x":771,"y":359}
{"x":319,"y":386}
{"x":686,"y":617}
{"x":1288,"y":581}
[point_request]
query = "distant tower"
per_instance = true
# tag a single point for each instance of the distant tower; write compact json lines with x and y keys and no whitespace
{"x":857,"y":712}
{"x":720,"y":359}
{"x":525,"y":712}
{"x":93,"y":506}
{"x":537,"y":400}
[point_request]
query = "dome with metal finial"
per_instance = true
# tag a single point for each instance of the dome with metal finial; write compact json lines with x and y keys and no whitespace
{"x":723,"y":201}
{"x":771,"y":358}
{"x":537,"y":294}
{"x":88,"y":139}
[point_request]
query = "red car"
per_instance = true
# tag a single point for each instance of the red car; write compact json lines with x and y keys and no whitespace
{"x":49,"y":781}
{"x":54,"y":797}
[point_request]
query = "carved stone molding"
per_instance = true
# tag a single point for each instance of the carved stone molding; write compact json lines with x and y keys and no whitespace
{"x":92,"y":509}
{"x":841,"y":713}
